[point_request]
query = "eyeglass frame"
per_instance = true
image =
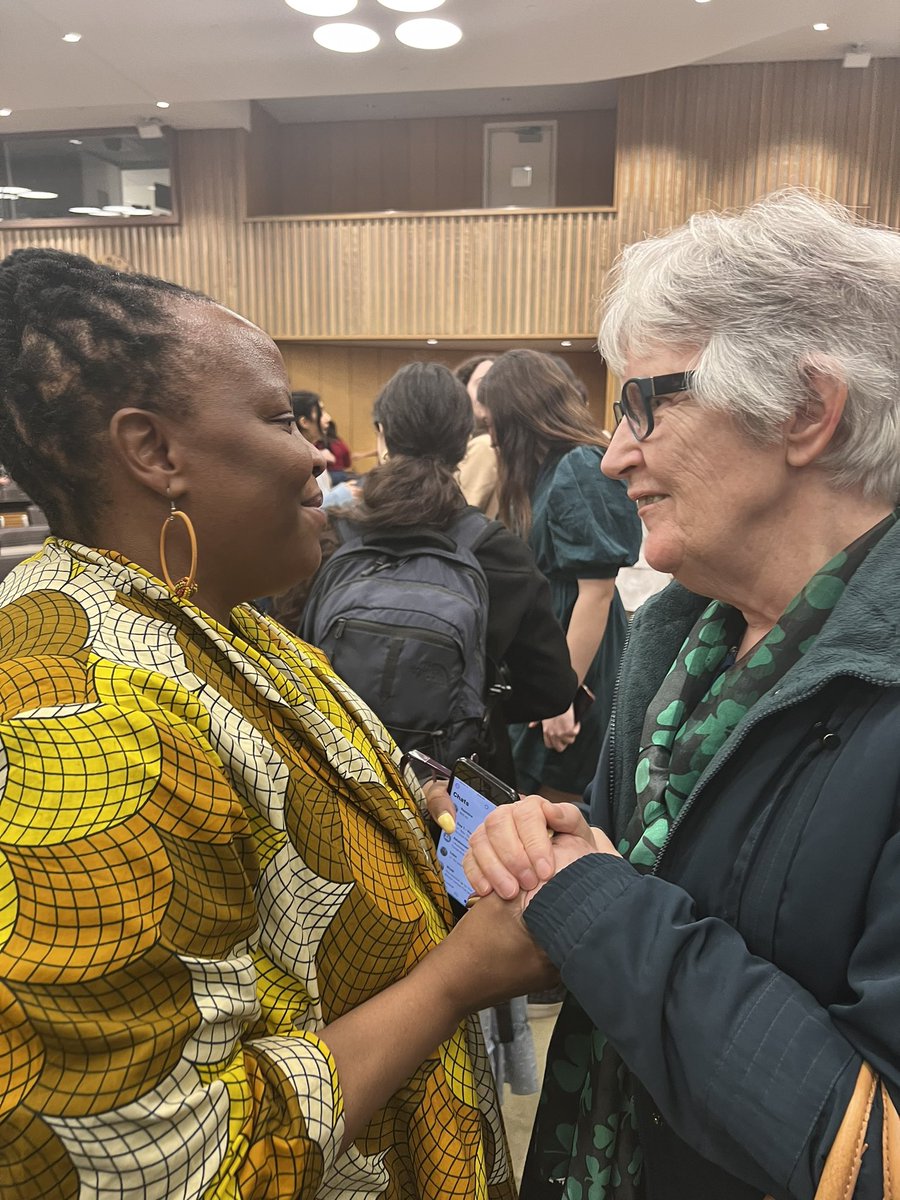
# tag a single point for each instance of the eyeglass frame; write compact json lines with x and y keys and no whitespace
{"x":651,"y":387}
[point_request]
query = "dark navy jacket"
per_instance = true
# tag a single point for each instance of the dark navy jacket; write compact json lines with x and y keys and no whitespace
{"x":743,"y":981}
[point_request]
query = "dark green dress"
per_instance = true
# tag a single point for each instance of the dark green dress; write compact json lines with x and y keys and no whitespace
{"x":583,"y":527}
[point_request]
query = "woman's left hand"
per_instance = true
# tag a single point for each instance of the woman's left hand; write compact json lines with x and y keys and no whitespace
{"x":560,"y":732}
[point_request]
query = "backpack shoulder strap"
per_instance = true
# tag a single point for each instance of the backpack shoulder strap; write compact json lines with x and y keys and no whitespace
{"x":471,"y":528}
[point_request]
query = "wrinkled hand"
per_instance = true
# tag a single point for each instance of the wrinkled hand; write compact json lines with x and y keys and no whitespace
{"x":511,"y":851}
{"x":441,"y":808}
{"x":560,"y":732}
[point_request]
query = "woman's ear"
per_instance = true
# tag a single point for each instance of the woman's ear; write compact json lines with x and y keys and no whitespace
{"x":141,"y":439}
{"x":812,"y":429}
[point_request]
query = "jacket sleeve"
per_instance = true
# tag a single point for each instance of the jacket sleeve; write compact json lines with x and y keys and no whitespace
{"x":743,"y":1063}
{"x":523,"y":631}
{"x":127,"y":975}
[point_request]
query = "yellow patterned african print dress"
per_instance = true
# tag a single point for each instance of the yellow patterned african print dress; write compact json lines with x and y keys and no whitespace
{"x":206,"y":854}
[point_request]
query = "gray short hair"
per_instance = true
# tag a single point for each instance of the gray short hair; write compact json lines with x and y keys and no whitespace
{"x":793,"y":283}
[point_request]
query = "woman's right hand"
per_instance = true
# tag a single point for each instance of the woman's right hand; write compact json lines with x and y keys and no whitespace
{"x":511,"y":852}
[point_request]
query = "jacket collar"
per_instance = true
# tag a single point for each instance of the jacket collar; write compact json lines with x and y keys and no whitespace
{"x":859,"y":639}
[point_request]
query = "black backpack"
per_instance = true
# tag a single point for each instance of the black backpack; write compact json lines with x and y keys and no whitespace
{"x":402,"y":615}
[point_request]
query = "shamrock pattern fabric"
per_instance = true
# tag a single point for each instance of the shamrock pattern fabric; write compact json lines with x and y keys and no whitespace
{"x":585,"y":1144}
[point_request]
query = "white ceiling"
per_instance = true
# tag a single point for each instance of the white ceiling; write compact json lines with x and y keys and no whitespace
{"x":210,"y":58}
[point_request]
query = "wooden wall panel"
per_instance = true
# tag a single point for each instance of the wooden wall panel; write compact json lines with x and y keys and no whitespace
{"x":348,"y":378}
{"x":721,"y":136}
{"x":687,"y":139}
{"x":424,"y":164}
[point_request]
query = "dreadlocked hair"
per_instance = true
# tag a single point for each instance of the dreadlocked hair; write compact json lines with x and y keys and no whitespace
{"x":77,"y":342}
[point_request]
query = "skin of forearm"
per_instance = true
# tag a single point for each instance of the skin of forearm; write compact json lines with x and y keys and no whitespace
{"x":587,"y":624}
{"x":379,"y":1045}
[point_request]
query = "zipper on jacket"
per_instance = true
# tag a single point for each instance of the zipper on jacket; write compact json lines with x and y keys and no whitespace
{"x":711,"y":773}
{"x":612,"y":727}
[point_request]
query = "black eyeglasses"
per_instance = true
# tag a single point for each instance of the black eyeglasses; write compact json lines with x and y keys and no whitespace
{"x":641,"y":397}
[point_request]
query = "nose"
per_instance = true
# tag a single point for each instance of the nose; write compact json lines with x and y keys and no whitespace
{"x":318,"y":459}
{"x":623,"y":453}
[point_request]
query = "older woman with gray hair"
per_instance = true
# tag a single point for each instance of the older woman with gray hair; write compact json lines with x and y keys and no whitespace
{"x":728,"y":929}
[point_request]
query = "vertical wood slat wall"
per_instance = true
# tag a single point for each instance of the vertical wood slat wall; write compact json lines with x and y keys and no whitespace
{"x":688,"y":139}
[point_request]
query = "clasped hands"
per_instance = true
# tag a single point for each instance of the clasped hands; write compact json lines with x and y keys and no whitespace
{"x":520,"y":846}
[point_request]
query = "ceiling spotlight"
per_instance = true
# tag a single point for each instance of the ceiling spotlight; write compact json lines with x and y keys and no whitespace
{"x":412,"y":5}
{"x":162,"y":104}
{"x":75,"y":142}
{"x":431,"y":342}
{"x":820,"y":26}
{"x":428,"y":33}
{"x":322,"y":8}
{"x":5,"y":112}
{"x":566,"y":343}
{"x":71,"y":37}
{"x":702,"y":1}
{"x":346,"y":39}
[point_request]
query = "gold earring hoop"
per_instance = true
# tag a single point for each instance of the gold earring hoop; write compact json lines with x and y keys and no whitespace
{"x":187,"y":585}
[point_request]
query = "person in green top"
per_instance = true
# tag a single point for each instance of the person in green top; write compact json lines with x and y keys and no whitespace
{"x":581,"y":527}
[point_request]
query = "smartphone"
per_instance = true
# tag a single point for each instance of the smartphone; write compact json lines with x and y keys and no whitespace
{"x":475,"y":792}
{"x":584,"y":698}
{"x":419,"y":757}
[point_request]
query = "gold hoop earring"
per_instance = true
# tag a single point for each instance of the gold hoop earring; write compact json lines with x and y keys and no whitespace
{"x":187,"y":585}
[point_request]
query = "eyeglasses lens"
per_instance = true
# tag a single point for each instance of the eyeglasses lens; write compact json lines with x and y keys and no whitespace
{"x":634,"y":410}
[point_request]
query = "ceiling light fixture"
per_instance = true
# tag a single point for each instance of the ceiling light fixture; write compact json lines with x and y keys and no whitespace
{"x":428,"y":33}
{"x":90,"y":212}
{"x":412,"y":5}
{"x":162,"y":104}
{"x":71,"y":37}
{"x":5,"y":112}
{"x":41,"y":196}
{"x":701,"y":1}
{"x":346,"y":38}
{"x":566,"y":343}
{"x":75,"y":142}
{"x":322,"y":8}
{"x":820,"y":27}
{"x":431,"y":341}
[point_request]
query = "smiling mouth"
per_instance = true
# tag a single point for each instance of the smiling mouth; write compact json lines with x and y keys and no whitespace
{"x":644,"y":501}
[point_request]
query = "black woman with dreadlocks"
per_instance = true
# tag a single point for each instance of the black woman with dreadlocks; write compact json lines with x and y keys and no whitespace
{"x":224,"y":961}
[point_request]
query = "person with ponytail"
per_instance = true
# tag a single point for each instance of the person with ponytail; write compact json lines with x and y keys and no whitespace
{"x":423,"y":420}
{"x":225,"y":959}
{"x":582,"y":528}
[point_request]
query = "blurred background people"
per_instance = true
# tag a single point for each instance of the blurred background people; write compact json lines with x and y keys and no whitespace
{"x":582,"y":528}
{"x":478,"y":468}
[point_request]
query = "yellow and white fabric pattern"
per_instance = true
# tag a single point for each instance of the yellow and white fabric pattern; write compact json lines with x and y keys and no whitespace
{"x":207,"y":853}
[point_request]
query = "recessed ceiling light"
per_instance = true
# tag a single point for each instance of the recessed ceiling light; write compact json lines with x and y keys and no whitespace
{"x":702,"y":1}
{"x":347,"y":38}
{"x":162,"y":104}
{"x":428,"y":33}
{"x":75,"y":142}
{"x":566,"y":343}
{"x":431,"y":341}
{"x":412,"y":5}
{"x":820,"y":26}
{"x":71,"y":37}
{"x":322,"y":8}
{"x":5,"y":112}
